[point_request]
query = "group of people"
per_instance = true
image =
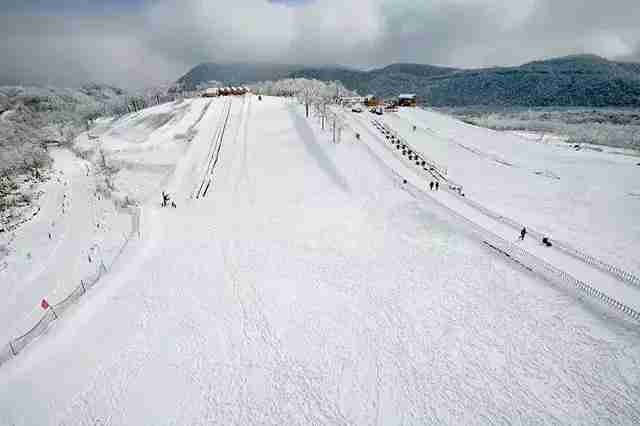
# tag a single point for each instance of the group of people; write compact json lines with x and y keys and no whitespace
{"x":435,"y":185}
{"x":166,"y":199}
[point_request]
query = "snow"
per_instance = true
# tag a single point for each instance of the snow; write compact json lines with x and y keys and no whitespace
{"x":310,"y":285}
{"x":582,"y":197}
{"x":82,"y":224}
{"x":578,"y":269}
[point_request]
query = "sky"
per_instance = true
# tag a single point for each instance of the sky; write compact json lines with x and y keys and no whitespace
{"x":142,"y":43}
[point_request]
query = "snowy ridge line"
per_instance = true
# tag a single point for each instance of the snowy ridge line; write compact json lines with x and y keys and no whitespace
{"x":15,"y":346}
{"x":620,"y":274}
{"x":517,"y":254}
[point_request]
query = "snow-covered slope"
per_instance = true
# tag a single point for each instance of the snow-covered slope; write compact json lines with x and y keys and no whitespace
{"x":75,"y":230}
{"x":309,"y":285}
{"x":585,"y":197}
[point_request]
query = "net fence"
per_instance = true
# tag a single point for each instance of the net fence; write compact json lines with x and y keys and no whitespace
{"x":441,"y":173}
{"x":56,"y":310}
{"x":512,"y":251}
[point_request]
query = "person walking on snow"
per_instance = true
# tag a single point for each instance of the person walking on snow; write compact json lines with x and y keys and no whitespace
{"x":437,"y":185}
{"x":523,"y":232}
{"x":431,"y":185}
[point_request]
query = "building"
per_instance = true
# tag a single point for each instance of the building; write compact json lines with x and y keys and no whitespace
{"x":407,"y":100}
{"x":211,"y":92}
{"x":352,"y":100}
{"x":371,"y":101}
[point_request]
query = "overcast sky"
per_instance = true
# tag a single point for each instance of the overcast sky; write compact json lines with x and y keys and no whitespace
{"x":134,"y":43}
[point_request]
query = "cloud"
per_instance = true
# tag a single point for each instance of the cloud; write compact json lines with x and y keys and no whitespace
{"x":73,"y":41}
{"x":60,"y":50}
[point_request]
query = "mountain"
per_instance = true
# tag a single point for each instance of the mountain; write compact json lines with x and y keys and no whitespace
{"x":233,"y":74}
{"x":578,"y":80}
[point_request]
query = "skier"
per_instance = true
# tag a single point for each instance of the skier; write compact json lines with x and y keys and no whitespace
{"x":173,"y":204}
{"x":165,"y":199}
{"x":546,"y":241}
{"x":523,"y":232}
{"x":437,"y":185}
{"x":431,"y":185}
{"x":414,"y":128}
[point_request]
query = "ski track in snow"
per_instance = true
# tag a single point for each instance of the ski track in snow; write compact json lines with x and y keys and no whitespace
{"x":310,"y":288}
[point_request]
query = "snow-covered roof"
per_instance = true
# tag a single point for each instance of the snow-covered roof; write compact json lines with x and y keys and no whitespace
{"x":407,"y":96}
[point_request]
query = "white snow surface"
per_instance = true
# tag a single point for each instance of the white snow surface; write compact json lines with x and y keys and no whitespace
{"x":75,"y":230}
{"x":588,"y":198}
{"x":310,"y":286}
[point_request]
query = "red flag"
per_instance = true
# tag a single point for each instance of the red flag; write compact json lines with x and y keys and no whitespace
{"x":44,"y":304}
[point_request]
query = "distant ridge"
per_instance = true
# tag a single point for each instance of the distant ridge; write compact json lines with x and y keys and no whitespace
{"x":233,"y":74}
{"x":576,"y":80}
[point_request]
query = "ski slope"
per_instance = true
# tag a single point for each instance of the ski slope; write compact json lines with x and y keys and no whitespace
{"x":554,"y":263}
{"x":74,"y":232}
{"x":309,"y":286}
{"x":583,"y":197}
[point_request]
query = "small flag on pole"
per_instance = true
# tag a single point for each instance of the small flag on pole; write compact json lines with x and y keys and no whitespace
{"x":44,"y":304}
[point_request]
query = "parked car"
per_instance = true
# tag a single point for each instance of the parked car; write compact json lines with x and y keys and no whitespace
{"x":356,"y":108}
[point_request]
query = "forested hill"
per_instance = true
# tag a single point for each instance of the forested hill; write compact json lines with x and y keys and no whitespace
{"x":232,"y":74}
{"x":580,"y":80}
{"x":584,"y":80}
